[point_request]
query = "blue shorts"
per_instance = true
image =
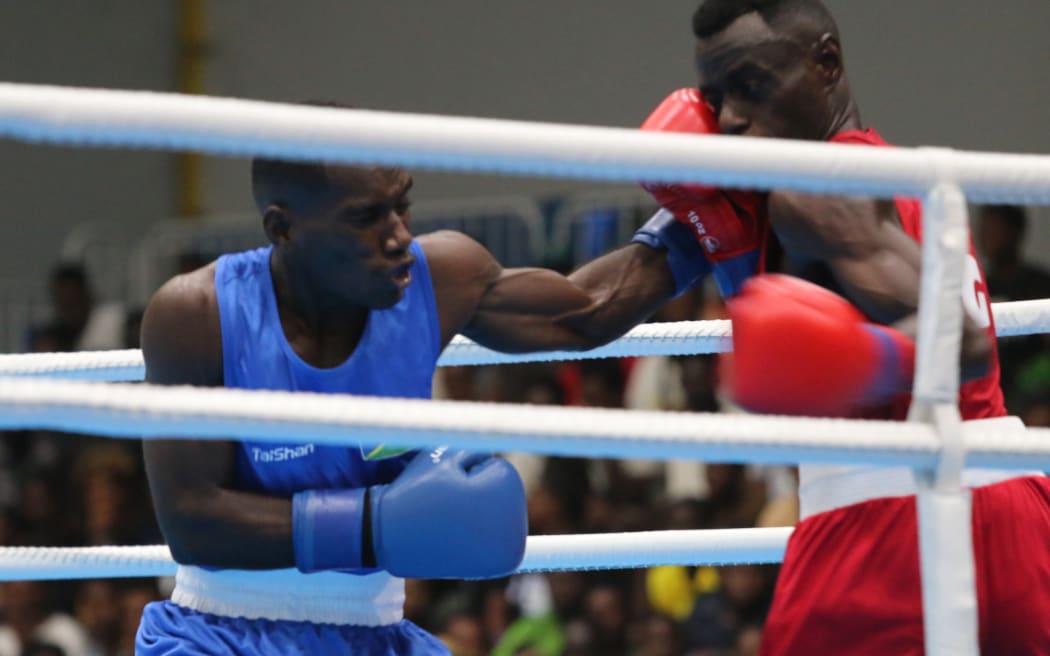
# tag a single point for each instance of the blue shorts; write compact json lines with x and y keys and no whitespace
{"x":171,"y":630}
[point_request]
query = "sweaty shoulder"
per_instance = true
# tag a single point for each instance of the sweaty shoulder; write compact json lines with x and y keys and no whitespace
{"x":181,"y":334}
{"x":461,"y":270}
{"x":454,"y":254}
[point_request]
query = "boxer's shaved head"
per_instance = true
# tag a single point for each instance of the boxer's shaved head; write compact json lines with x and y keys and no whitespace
{"x":772,"y":68}
{"x":803,"y":18}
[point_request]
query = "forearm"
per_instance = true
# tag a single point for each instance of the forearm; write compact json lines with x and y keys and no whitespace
{"x":231,"y":529}
{"x":205,"y":520}
{"x":541,"y":310}
{"x":524,"y":310}
{"x":626,"y":287}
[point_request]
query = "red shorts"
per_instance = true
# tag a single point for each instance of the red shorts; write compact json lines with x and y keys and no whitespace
{"x":850,"y":580}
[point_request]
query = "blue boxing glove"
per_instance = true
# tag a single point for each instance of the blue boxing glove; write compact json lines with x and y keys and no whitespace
{"x":449,"y":514}
{"x":685,"y":256}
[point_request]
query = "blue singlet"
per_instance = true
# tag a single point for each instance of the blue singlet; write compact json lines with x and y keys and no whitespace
{"x":396,"y":357}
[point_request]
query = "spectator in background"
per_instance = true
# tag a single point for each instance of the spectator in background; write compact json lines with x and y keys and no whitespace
{"x":110,"y":489}
{"x":497,"y":614}
{"x":736,"y":498}
{"x":606,"y":617}
{"x":727,"y":616}
{"x":456,"y":383}
{"x":661,"y":637}
{"x":83,"y":324}
{"x":96,"y":606}
{"x":534,"y":384}
{"x":49,"y":338}
{"x":136,"y":593}
{"x":31,"y":622}
{"x":1033,"y":388}
{"x":546,"y":629}
{"x":464,"y":635}
{"x":558,"y":505}
{"x":419,"y":600}
{"x":132,"y":328}
{"x":42,"y":649}
{"x":999,"y":241}
{"x":39,"y":518}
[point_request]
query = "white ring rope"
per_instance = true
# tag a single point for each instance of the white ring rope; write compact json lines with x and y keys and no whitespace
{"x":1021,"y":318}
{"x":86,"y":365}
{"x":738,"y":546}
{"x":49,"y":563}
{"x":222,"y":126}
{"x":233,"y":127}
{"x":678,"y":338}
{"x":149,"y":411}
{"x":674,"y":338}
{"x":543,"y":553}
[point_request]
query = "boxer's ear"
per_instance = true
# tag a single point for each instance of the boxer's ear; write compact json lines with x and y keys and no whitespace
{"x":276,"y":223}
{"x":827,"y":53}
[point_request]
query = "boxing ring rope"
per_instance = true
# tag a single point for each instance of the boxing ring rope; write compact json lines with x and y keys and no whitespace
{"x":156,"y":411}
{"x":543,"y":553}
{"x":674,"y":338}
{"x":941,"y":445}
{"x":230,"y":127}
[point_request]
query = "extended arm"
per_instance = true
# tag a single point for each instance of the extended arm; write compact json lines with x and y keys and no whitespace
{"x":700,"y":230}
{"x":204,"y":519}
{"x":527,"y":309}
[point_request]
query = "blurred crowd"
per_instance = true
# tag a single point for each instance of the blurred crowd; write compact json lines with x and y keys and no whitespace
{"x":62,"y":490}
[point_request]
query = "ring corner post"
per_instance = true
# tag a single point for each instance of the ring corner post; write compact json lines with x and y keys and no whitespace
{"x":943,"y":505}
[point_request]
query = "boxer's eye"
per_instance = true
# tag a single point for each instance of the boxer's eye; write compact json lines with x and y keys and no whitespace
{"x":362,"y":216}
{"x":713,"y":100}
{"x":750,"y":86}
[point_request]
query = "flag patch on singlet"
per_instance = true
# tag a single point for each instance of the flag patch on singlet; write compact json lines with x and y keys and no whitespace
{"x":382,"y":452}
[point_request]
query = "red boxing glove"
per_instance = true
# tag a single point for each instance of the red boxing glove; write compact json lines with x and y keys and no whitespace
{"x":728,"y":224}
{"x":799,"y":349}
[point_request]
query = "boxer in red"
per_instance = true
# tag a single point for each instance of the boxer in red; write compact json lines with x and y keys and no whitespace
{"x":842,"y":345}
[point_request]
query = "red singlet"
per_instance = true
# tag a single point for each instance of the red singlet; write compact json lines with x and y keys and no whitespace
{"x":850,"y":581}
{"x":981,"y":398}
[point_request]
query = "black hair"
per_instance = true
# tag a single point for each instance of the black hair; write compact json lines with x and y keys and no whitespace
{"x":69,"y":272}
{"x":608,"y":370}
{"x":273,"y":180}
{"x":37,"y":648}
{"x":713,"y":16}
{"x":57,"y":333}
{"x":1013,"y":216}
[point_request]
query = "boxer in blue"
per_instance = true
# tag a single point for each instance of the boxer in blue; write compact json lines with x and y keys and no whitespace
{"x":298,"y":548}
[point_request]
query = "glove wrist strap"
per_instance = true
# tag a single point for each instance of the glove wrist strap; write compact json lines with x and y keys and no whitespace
{"x":684,"y":255}
{"x":896,"y":363}
{"x":328,"y":529}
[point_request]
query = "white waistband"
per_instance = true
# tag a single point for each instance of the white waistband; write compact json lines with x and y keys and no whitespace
{"x":823,"y":488}
{"x":287,"y":594}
